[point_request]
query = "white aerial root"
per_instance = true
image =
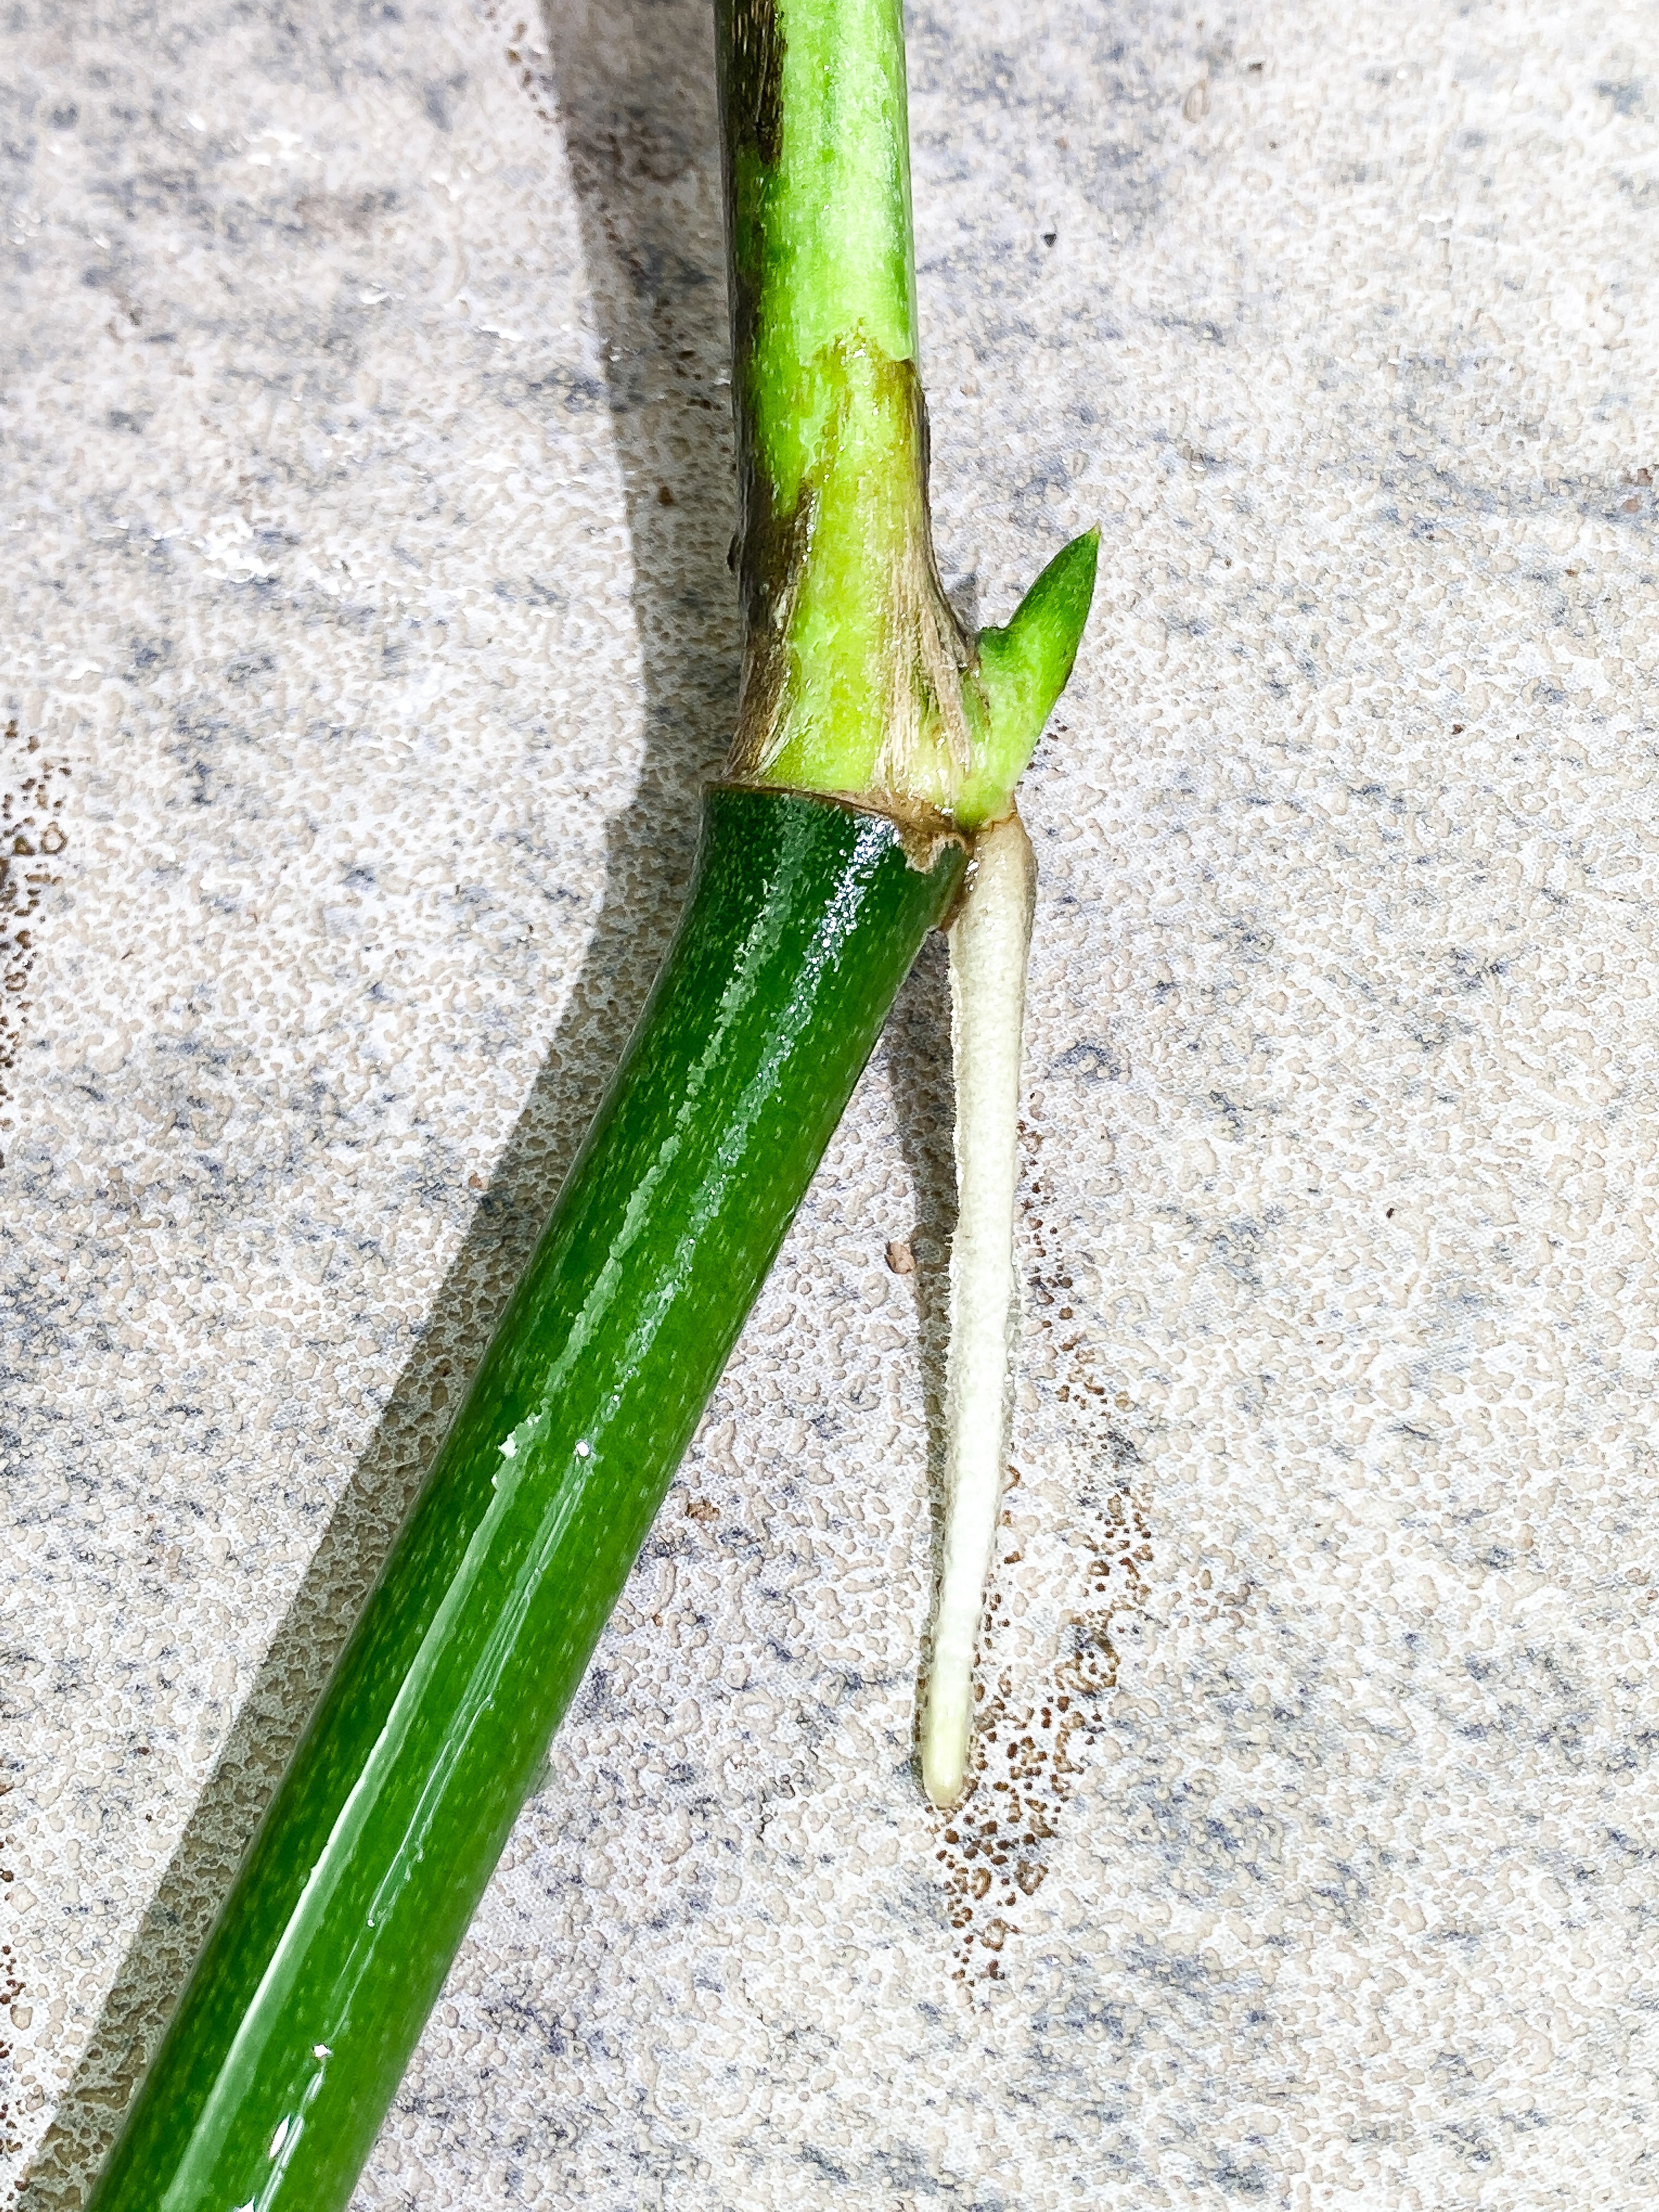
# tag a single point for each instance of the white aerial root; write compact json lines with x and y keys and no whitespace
{"x":990,"y":939}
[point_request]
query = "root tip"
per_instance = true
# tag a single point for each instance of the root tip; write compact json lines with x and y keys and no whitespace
{"x":945,"y":1766}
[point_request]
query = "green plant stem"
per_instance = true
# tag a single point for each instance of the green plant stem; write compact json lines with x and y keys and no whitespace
{"x":805,"y":915}
{"x":293,"y":2033}
{"x":857,"y":676}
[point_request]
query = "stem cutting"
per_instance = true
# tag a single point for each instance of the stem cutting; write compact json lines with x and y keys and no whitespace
{"x":876,"y":744}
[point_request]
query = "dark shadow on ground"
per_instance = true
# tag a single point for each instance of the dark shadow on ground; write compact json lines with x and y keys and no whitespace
{"x":632,"y":82}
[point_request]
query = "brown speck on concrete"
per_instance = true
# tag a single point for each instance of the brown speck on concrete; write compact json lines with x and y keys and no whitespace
{"x":31,"y":838}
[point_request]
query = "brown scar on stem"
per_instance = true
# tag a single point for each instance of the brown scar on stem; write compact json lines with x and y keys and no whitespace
{"x":929,"y":661}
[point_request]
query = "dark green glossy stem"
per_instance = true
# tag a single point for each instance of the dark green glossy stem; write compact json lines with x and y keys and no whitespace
{"x":294,"y":2031}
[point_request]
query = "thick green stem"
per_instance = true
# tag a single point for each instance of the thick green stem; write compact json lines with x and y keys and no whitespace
{"x":857,"y":676}
{"x":297,"y":2024}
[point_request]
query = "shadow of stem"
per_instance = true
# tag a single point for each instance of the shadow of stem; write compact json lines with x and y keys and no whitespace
{"x":632,"y":84}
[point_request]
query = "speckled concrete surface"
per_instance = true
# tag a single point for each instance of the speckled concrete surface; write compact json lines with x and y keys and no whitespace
{"x":366,"y":464}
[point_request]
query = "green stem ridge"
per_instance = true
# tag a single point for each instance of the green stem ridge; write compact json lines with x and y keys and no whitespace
{"x":857,"y":676}
{"x":804,"y":917}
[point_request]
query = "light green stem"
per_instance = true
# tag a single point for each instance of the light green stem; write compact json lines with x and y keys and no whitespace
{"x":857,"y":676}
